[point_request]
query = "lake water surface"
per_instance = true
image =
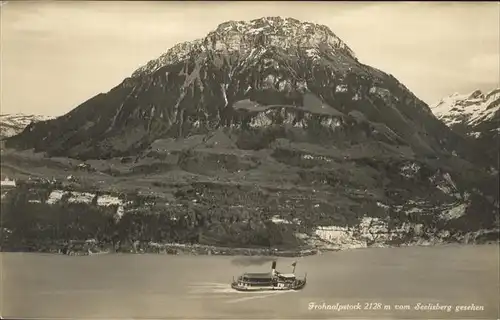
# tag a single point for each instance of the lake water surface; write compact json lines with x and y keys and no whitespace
{"x":119,"y":286}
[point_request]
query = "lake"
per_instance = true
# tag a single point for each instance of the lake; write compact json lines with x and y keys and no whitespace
{"x":462,"y":280}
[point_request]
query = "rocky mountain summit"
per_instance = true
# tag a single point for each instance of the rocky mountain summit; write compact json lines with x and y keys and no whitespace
{"x":244,"y":37}
{"x":265,"y":133}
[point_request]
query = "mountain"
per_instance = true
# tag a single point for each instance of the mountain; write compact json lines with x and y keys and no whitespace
{"x":241,"y":73}
{"x":476,"y":115}
{"x":259,"y":122}
{"x":12,"y":124}
{"x":468,"y":112}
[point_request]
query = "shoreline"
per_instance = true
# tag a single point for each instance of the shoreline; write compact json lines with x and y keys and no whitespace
{"x":205,"y":250}
{"x":87,"y":248}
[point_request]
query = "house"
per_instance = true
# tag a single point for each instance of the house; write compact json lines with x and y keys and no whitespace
{"x":8,"y":183}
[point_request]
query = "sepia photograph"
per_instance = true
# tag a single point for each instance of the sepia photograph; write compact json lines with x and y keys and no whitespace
{"x":249,"y":160}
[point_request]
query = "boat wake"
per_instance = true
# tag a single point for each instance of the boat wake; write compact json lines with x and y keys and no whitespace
{"x":203,"y":290}
{"x":211,"y":287}
{"x":259,"y":296}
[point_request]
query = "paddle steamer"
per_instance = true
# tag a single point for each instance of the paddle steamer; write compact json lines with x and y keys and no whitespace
{"x":273,"y":280}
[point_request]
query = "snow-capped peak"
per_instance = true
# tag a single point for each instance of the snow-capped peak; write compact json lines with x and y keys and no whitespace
{"x":469,"y":109}
{"x":243,"y":36}
{"x":12,"y":124}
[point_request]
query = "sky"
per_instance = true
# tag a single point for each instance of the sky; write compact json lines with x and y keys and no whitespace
{"x":55,"y":55}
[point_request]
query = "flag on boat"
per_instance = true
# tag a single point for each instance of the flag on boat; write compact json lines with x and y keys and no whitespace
{"x":294,"y":263}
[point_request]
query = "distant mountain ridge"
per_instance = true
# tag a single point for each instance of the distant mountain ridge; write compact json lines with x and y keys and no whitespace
{"x":12,"y":124}
{"x":475,"y":115}
{"x":469,"y":111}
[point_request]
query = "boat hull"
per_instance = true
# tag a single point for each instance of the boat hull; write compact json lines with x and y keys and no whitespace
{"x":300,"y":284}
